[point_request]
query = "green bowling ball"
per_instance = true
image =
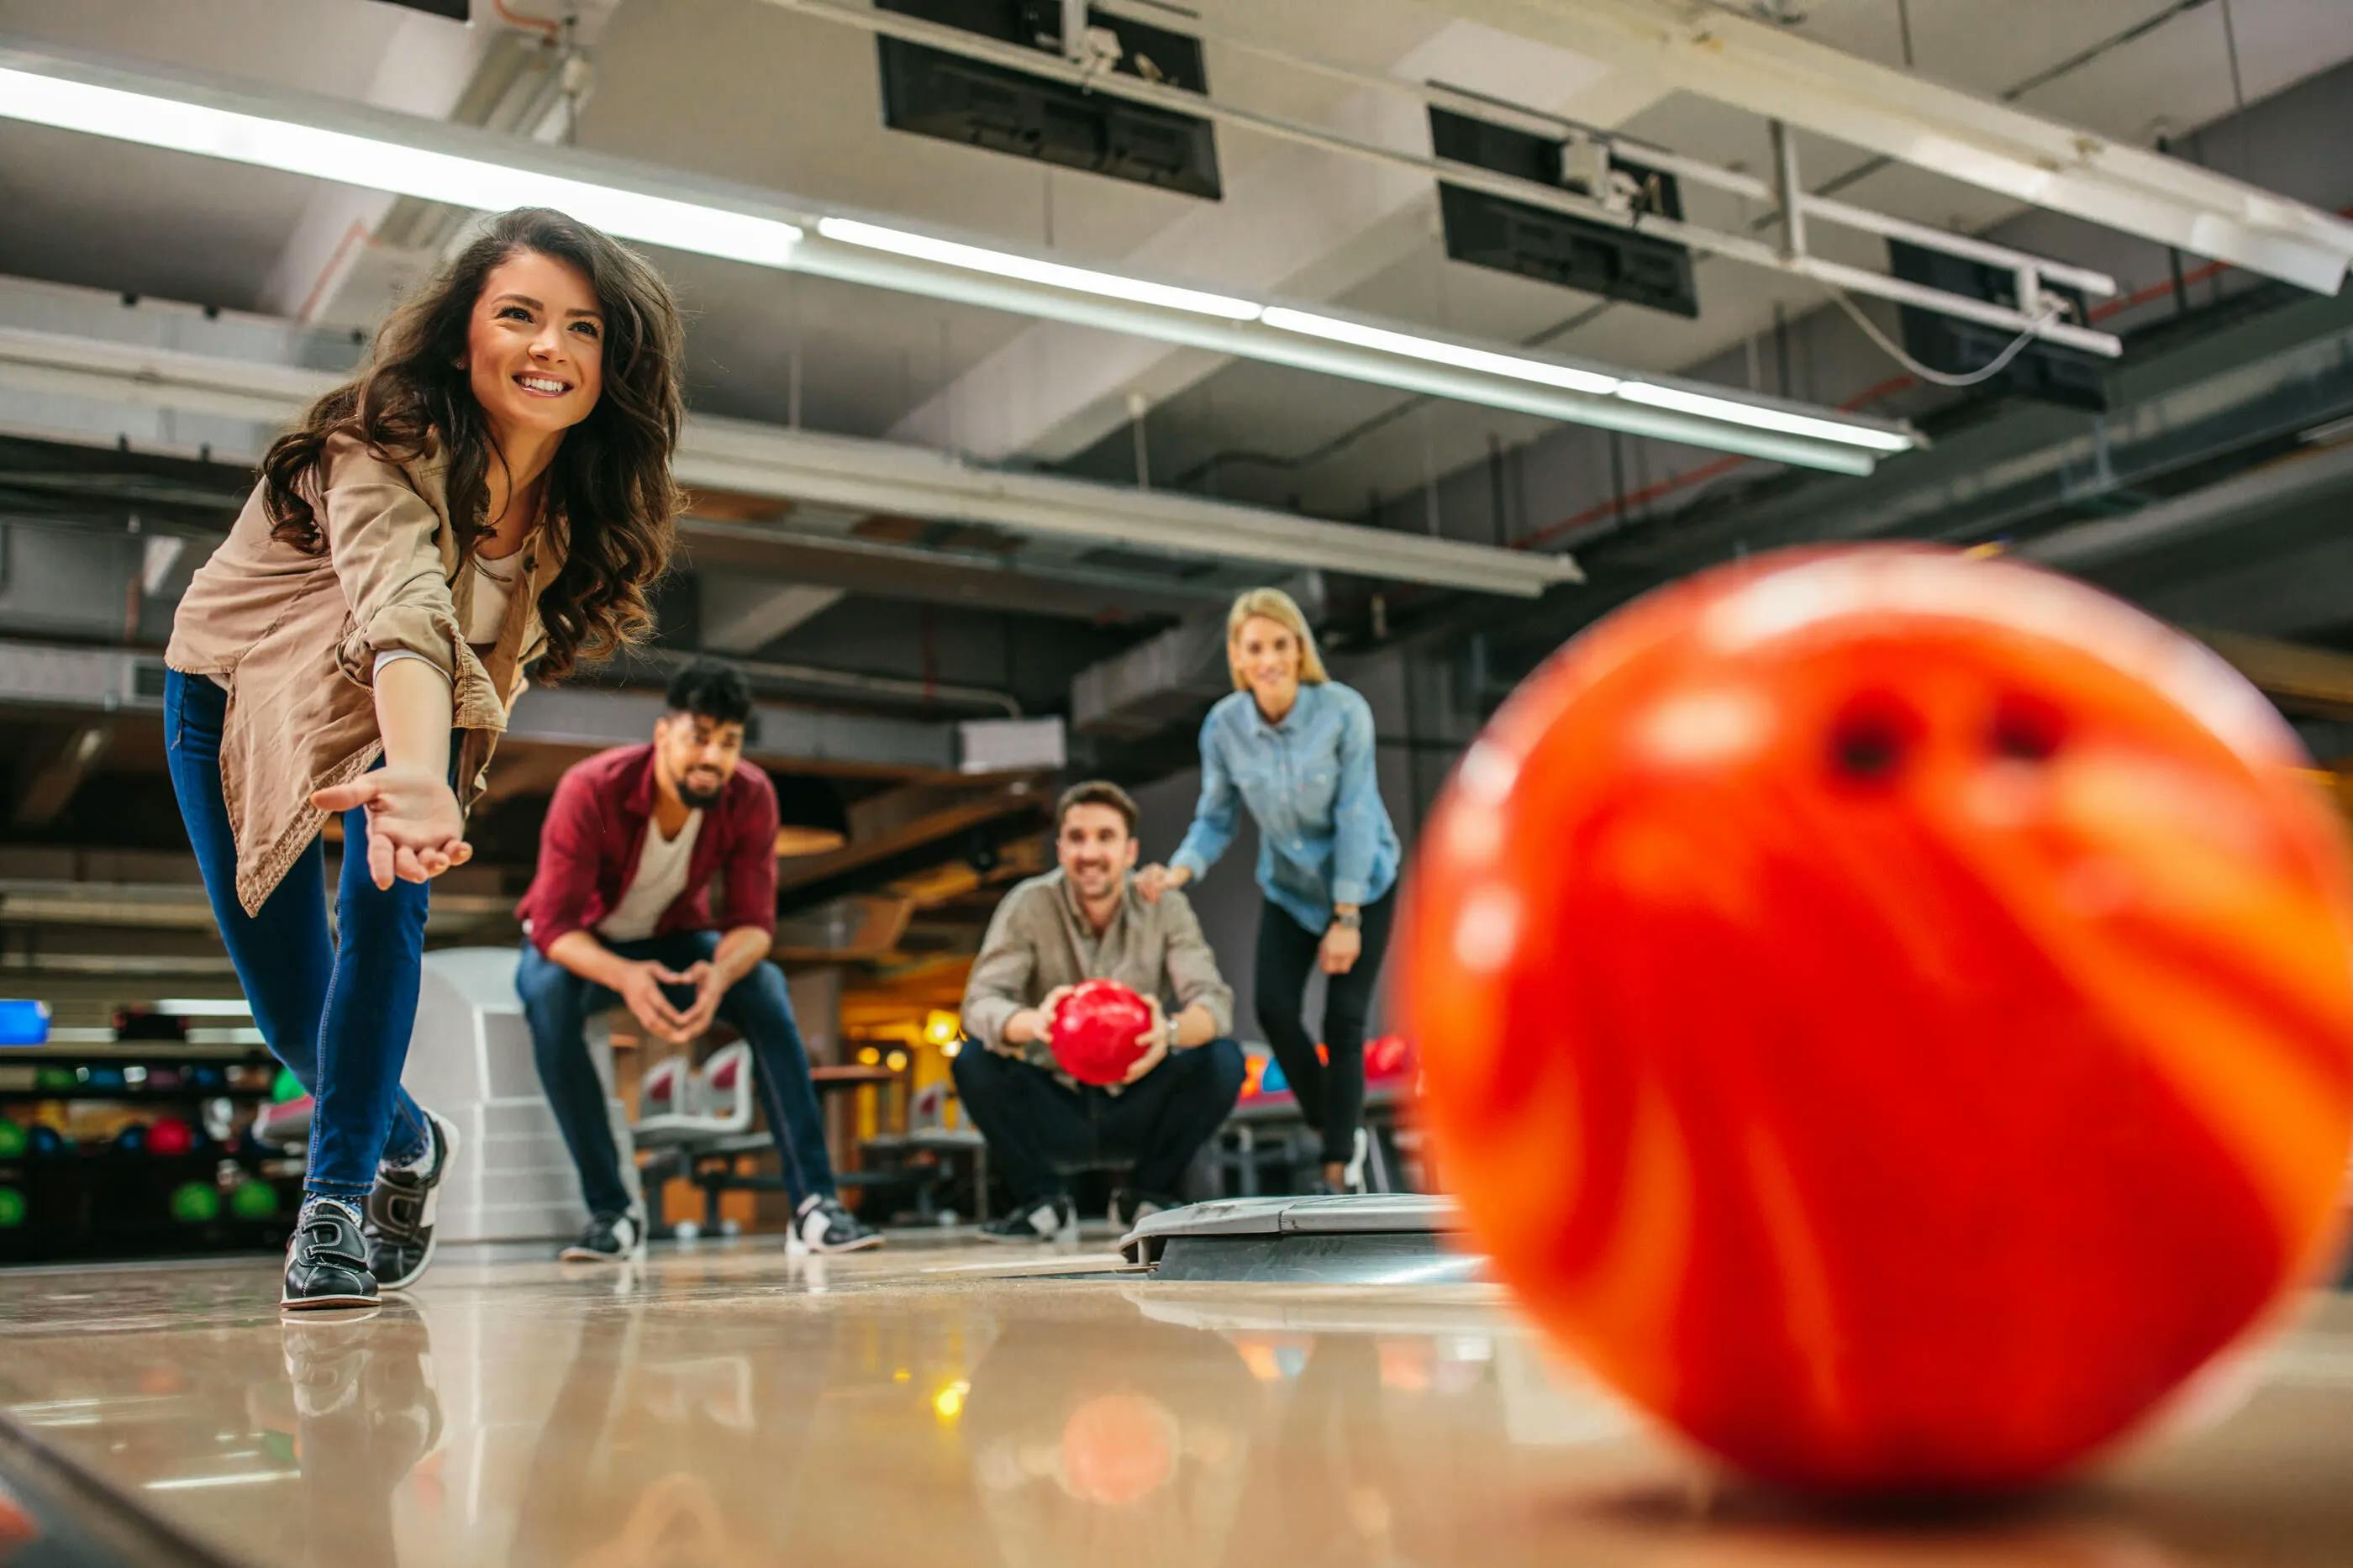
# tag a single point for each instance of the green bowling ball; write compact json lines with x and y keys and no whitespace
{"x":54,"y":1079}
{"x":253,"y":1200}
{"x":12,"y":1208}
{"x":13,"y":1139}
{"x":196,"y":1203}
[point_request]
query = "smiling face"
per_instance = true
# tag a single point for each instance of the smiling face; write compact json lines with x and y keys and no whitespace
{"x":535,"y":346}
{"x":1095,"y":849}
{"x":1265,"y":653}
{"x":697,"y":755}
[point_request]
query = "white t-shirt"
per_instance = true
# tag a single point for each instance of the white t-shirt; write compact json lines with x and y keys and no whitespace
{"x":491,"y":595}
{"x":660,"y":879}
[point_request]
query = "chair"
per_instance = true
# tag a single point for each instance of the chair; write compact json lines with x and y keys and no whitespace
{"x":712,"y":1103}
{"x":284,"y":1126}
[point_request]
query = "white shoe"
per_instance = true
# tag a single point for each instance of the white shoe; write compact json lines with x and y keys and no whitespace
{"x":609,"y":1239}
{"x":1352,"y":1174}
{"x":822,"y":1224}
{"x":1050,"y":1220}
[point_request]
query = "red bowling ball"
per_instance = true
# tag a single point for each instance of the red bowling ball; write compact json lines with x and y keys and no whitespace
{"x":1095,"y":1029}
{"x":1119,"y":1448}
{"x":1889,"y":1014}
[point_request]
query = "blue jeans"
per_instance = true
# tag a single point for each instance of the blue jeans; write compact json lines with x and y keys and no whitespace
{"x":559,"y":1005}
{"x":337,"y":1013}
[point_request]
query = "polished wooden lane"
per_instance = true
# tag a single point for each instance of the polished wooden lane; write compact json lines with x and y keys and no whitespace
{"x":733,"y":1406}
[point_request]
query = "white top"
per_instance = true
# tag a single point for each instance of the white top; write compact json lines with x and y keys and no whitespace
{"x":660,"y":879}
{"x":490,"y":597}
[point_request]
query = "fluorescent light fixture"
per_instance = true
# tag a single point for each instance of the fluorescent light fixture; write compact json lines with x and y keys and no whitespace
{"x":1437,"y":350}
{"x":382,"y":165}
{"x":1030,"y":270}
{"x":1878,"y":438}
{"x":205,"y":1007}
{"x":247,"y":1036}
{"x":470,"y":168}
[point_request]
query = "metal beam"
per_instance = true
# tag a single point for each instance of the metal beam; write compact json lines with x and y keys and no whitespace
{"x":73,"y":679}
{"x":2298,"y":676}
{"x":911,"y":821}
{"x":840,"y":470}
{"x":51,"y":780}
{"x":744,"y":617}
{"x":1717,"y":53}
{"x":2306,"y":476}
{"x":918,"y":575}
{"x":794,"y":739}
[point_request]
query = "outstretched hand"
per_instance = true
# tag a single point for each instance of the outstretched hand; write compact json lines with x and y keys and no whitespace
{"x":415,"y":830}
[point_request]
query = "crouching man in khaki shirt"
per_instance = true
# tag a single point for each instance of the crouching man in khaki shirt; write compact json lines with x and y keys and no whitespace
{"x":1084,"y":920}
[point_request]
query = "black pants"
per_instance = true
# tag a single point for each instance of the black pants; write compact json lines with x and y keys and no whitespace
{"x":1038,"y":1127}
{"x":1331,"y":1096}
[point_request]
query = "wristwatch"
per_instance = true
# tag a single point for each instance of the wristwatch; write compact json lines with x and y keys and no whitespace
{"x":1351,"y":919}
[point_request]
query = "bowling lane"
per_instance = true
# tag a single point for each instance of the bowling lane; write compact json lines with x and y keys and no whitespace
{"x":732,"y":1406}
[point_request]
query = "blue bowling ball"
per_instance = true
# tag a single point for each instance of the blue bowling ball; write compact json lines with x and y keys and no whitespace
{"x":48,"y":1144}
{"x":131,"y":1140}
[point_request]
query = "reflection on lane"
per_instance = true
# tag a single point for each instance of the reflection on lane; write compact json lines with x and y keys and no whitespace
{"x":736,"y":1408}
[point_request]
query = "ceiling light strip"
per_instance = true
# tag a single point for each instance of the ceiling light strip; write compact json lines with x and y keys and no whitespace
{"x":853,"y":248}
{"x":378,"y":164}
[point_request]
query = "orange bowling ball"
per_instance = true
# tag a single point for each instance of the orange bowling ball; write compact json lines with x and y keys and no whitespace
{"x":1890,"y":1015}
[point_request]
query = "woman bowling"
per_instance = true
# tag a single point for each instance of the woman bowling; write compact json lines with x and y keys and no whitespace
{"x":492,"y":490}
{"x":1296,"y":747}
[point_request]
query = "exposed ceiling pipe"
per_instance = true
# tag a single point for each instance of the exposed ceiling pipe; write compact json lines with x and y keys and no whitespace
{"x":1556,"y":198}
{"x":1770,"y":71}
{"x":844,"y":471}
{"x":811,"y":678}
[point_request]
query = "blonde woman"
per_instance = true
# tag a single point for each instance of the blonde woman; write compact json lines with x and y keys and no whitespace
{"x":1296,"y":747}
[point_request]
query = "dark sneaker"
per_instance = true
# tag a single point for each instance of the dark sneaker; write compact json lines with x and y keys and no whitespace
{"x":609,"y":1238}
{"x":1047,"y":1220}
{"x":398,"y":1223}
{"x":326,"y":1260}
{"x":367,"y":1396}
{"x":822,"y":1224}
{"x":1130,"y":1207}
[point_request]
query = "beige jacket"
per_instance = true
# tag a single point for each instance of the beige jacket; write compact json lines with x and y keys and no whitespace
{"x":294,"y":637}
{"x":1038,"y":940}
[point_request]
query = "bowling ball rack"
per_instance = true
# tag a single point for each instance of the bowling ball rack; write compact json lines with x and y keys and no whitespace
{"x":81,"y":1179}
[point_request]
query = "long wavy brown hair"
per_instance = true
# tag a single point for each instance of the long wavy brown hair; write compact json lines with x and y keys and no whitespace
{"x":611,"y":502}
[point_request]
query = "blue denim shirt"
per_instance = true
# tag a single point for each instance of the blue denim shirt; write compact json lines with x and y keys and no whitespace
{"x":1325,"y":838}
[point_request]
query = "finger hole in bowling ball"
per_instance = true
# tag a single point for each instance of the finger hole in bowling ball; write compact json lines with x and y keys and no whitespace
{"x":2026,"y":728}
{"x":1871,"y":739}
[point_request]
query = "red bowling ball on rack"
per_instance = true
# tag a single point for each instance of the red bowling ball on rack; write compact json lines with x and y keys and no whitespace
{"x":1095,"y":1030}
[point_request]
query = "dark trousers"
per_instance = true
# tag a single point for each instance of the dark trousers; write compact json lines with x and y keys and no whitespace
{"x":1038,"y":1126}
{"x":1331,"y":1095}
{"x":337,"y":1011}
{"x":558,"y":1003}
